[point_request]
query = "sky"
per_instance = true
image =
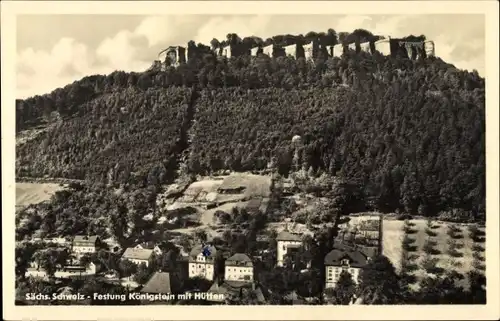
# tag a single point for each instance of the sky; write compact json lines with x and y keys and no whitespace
{"x":55,"y":50}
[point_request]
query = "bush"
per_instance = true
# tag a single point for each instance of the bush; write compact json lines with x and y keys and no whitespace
{"x":456,"y":264}
{"x":429,"y":264}
{"x":409,"y":230}
{"x":478,"y":256}
{"x":430,"y":232}
{"x":478,"y":265}
{"x":455,"y":253}
{"x":454,"y":232}
{"x":456,"y":215}
{"x":477,"y":248}
{"x":409,"y":223}
{"x":429,"y":247}
{"x":453,"y":244}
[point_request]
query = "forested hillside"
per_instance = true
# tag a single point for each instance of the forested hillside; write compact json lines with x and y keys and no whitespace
{"x":409,"y":134}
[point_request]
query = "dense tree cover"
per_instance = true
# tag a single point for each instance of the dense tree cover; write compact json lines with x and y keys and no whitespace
{"x":121,"y":137}
{"x":93,"y":210}
{"x":410,"y":134}
{"x":407,"y":128}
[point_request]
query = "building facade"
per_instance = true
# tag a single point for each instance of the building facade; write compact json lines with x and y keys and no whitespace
{"x":83,"y":244}
{"x":429,"y":48}
{"x":292,"y":50}
{"x":150,"y":246}
{"x":286,"y":240}
{"x":172,"y":56}
{"x":202,"y":262}
{"x":239,"y":267}
{"x":365,"y":46}
{"x":138,"y":256}
{"x":254,"y":51}
{"x":383,"y":46}
{"x":337,"y":50}
{"x":311,"y":50}
{"x":344,"y":258}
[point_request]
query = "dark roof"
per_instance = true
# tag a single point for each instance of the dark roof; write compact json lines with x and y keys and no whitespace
{"x":233,"y":288}
{"x":159,"y":283}
{"x":198,"y":249}
{"x":148,"y":245}
{"x":239,"y":259}
{"x":356,"y":257}
{"x":85,"y":240}
{"x":254,"y":204}
{"x":287,"y":236}
{"x":170,"y":48}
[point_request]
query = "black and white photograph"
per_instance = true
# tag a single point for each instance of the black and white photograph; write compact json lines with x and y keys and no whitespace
{"x":294,"y":158}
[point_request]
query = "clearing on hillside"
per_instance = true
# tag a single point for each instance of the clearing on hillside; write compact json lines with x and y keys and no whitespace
{"x":222,"y":193}
{"x":33,"y":193}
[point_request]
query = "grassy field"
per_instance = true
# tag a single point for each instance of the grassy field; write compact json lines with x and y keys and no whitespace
{"x":206,"y":190}
{"x":461,"y":262}
{"x":33,"y":193}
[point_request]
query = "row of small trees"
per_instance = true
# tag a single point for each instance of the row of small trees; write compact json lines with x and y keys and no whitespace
{"x":436,"y":275}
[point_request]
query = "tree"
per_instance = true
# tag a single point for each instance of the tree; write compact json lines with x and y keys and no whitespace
{"x":143,"y":273}
{"x":344,"y":290}
{"x":127,"y":268}
{"x":24,"y":254}
{"x":379,"y":282}
{"x":85,"y":260}
{"x":215,"y":43}
{"x":50,"y":259}
{"x":201,"y":236}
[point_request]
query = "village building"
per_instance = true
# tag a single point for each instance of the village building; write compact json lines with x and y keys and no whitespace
{"x":269,"y":50}
{"x":202,"y":262}
{"x":172,"y":56}
{"x":83,"y":244}
{"x":226,"y":51}
{"x":337,"y":50}
{"x":370,"y":228}
{"x":67,"y":271}
{"x":345,"y":258}
{"x":138,"y":256}
{"x":150,"y":246}
{"x":383,"y":46}
{"x":256,"y":205}
{"x":159,"y":283}
{"x":294,"y":51}
{"x":286,"y":242}
{"x":429,"y":48}
{"x":233,"y":290}
{"x":311,"y":50}
{"x":255,"y":51}
{"x":366,"y":47}
{"x":239,"y":267}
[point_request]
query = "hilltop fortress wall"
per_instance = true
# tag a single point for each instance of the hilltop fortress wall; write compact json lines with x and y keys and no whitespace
{"x":176,"y":55}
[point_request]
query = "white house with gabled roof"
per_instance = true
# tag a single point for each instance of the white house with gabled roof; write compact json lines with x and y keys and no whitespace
{"x":286,"y":241}
{"x":239,"y":267}
{"x":200,"y":264}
